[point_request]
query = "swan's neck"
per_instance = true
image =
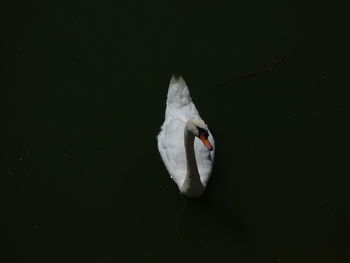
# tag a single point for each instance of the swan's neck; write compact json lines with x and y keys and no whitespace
{"x":192,"y":185}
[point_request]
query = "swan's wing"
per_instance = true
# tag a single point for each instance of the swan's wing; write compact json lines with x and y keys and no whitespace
{"x":179,"y":102}
{"x":179,"y":109}
{"x":172,"y":150}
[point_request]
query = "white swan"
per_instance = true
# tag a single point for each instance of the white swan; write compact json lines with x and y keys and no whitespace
{"x":185,"y":142}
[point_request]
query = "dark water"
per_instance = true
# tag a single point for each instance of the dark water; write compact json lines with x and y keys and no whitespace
{"x":83,"y":180}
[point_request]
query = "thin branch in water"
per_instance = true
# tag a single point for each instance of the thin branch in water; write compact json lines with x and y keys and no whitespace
{"x":269,"y":68}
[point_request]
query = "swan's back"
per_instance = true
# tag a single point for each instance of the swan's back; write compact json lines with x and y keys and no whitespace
{"x":180,"y":109}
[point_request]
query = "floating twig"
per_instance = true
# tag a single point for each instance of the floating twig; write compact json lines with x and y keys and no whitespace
{"x":269,"y":68}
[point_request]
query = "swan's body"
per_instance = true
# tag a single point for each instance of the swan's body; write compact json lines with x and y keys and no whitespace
{"x":185,"y":142}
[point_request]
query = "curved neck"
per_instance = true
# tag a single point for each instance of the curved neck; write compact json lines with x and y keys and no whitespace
{"x":192,"y":185}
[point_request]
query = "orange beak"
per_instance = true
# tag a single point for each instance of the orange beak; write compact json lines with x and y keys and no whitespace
{"x":206,"y":142}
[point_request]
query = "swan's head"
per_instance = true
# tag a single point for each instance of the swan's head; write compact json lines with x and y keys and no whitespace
{"x":200,"y":129}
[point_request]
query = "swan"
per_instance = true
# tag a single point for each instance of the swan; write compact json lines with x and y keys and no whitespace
{"x":185,"y":143}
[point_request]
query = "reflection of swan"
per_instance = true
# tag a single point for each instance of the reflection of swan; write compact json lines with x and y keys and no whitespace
{"x":188,"y":161}
{"x":203,"y":225}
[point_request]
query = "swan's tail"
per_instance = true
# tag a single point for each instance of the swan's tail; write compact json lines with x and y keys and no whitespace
{"x":178,"y":93}
{"x":179,"y":102}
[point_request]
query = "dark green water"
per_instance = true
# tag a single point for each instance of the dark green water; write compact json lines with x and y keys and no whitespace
{"x":83,"y":180}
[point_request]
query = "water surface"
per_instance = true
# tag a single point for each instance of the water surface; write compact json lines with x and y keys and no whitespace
{"x":84,"y":181}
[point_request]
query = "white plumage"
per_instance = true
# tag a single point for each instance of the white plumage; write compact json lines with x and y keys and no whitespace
{"x":185,"y":142}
